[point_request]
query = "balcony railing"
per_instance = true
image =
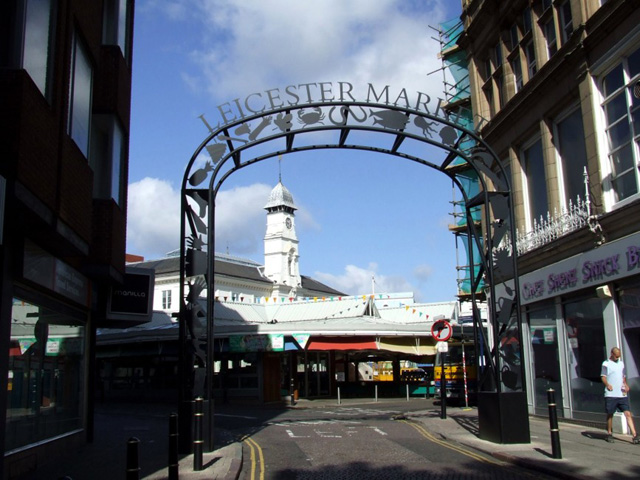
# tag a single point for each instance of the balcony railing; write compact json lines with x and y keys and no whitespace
{"x":545,"y":230}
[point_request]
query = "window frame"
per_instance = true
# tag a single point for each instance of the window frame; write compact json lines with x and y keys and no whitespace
{"x":560,"y":163}
{"x":530,"y":218}
{"x":81,"y":139}
{"x":23,"y":34}
{"x":617,"y":58}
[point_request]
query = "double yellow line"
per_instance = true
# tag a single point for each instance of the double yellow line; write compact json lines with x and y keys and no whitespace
{"x":429,"y":436}
{"x":254,"y":447}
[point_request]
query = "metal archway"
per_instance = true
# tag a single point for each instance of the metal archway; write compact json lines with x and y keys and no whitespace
{"x":403,"y":132}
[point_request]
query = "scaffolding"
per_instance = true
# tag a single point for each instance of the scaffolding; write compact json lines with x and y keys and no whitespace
{"x":457,"y":106}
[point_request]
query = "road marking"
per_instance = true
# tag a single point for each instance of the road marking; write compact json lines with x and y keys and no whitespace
{"x":234,"y":416}
{"x":377,"y":430}
{"x":253,"y":446}
{"x":326,"y":434}
{"x":429,"y":436}
{"x":295,"y":436}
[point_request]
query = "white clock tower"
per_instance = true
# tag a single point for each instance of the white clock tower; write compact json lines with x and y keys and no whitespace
{"x":281,"y":243}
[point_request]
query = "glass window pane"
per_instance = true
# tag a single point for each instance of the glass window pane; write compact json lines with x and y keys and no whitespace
{"x":630,"y":313}
{"x":634,"y":63}
{"x":619,"y":134}
{"x":536,"y":181}
{"x":615,"y":109}
{"x":550,"y":34}
{"x":625,"y":186}
{"x":37,"y":47}
{"x":613,"y":81}
{"x":571,"y":147}
{"x":116,"y":164}
{"x":81,"y":98}
{"x":587,"y":351}
{"x":622,"y":160}
{"x":46,"y":375}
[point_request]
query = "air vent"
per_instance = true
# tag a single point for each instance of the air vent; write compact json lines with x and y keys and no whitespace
{"x":636,"y":89}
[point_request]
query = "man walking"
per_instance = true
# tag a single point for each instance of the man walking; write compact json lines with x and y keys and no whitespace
{"x":615,"y":393}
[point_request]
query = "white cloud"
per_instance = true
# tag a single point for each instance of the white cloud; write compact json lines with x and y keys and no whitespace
{"x":358,"y":281}
{"x":253,"y":46}
{"x":240,"y":219}
{"x":423,"y":272}
{"x":153,"y":218}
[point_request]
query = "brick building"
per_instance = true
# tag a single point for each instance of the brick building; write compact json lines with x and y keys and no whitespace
{"x":65,"y":95}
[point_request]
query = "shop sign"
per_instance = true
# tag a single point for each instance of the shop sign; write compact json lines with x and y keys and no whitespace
{"x":133,"y":300}
{"x":256,"y":343}
{"x":50,"y":272}
{"x":322,"y":92}
{"x":301,"y":339}
{"x":610,"y":262}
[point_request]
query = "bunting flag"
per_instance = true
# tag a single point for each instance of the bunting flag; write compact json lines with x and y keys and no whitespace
{"x":290,"y":299}
{"x":407,"y":307}
{"x":282,"y":299}
{"x":315,"y":299}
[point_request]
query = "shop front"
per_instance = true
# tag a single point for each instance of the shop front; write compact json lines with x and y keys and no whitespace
{"x":576,"y":311}
{"x":47,"y":366}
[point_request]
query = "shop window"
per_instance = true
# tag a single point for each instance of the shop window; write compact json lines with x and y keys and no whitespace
{"x":545,"y":356}
{"x":629,"y":302}
{"x":584,"y":325}
{"x":37,"y":46}
{"x":80,"y":88}
{"x":622,"y":117}
{"x":108,"y":155}
{"x":116,"y":29}
{"x":569,"y":139}
{"x":46,"y":375}
{"x":535,"y":183}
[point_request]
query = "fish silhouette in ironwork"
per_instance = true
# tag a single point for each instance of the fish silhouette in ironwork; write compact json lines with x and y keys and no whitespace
{"x":389,"y":119}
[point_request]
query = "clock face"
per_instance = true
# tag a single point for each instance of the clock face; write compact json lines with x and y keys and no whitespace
{"x":287,"y":222}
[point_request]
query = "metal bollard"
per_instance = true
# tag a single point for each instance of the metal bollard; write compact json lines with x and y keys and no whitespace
{"x":339,"y":396}
{"x":198,"y":441}
{"x":292,"y":390}
{"x":553,"y":424}
{"x":133,"y":463}
{"x":173,"y":446}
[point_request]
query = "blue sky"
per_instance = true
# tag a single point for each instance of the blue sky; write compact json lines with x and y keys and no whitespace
{"x":360,"y":214}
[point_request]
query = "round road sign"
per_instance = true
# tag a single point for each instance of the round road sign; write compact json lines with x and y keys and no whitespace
{"x":441,"y":330}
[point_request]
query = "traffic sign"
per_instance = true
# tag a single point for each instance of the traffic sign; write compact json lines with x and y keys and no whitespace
{"x":442,"y":347}
{"x":441,"y":330}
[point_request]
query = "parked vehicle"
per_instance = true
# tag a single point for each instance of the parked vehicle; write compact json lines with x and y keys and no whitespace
{"x":460,"y":371}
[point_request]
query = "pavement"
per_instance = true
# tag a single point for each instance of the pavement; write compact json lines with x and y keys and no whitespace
{"x":584,"y":453}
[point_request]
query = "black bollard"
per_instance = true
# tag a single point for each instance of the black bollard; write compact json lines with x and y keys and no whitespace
{"x":133,"y":463}
{"x":173,"y":446}
{"x":292,"y":387}
{"x":198,"y":441}
{"x":553,"y":424}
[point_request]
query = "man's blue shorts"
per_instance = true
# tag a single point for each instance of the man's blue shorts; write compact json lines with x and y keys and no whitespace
{"x":611,"y":404}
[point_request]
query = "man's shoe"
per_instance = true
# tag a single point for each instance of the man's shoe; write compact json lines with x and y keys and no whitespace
{"x":636,"y":439}
{"x":609,"y":438}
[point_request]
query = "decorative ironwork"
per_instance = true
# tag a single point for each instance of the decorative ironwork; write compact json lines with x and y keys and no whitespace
{"x":413,"y":133}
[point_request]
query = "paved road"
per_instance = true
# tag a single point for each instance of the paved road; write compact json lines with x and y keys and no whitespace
{"x":356,"y":443}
